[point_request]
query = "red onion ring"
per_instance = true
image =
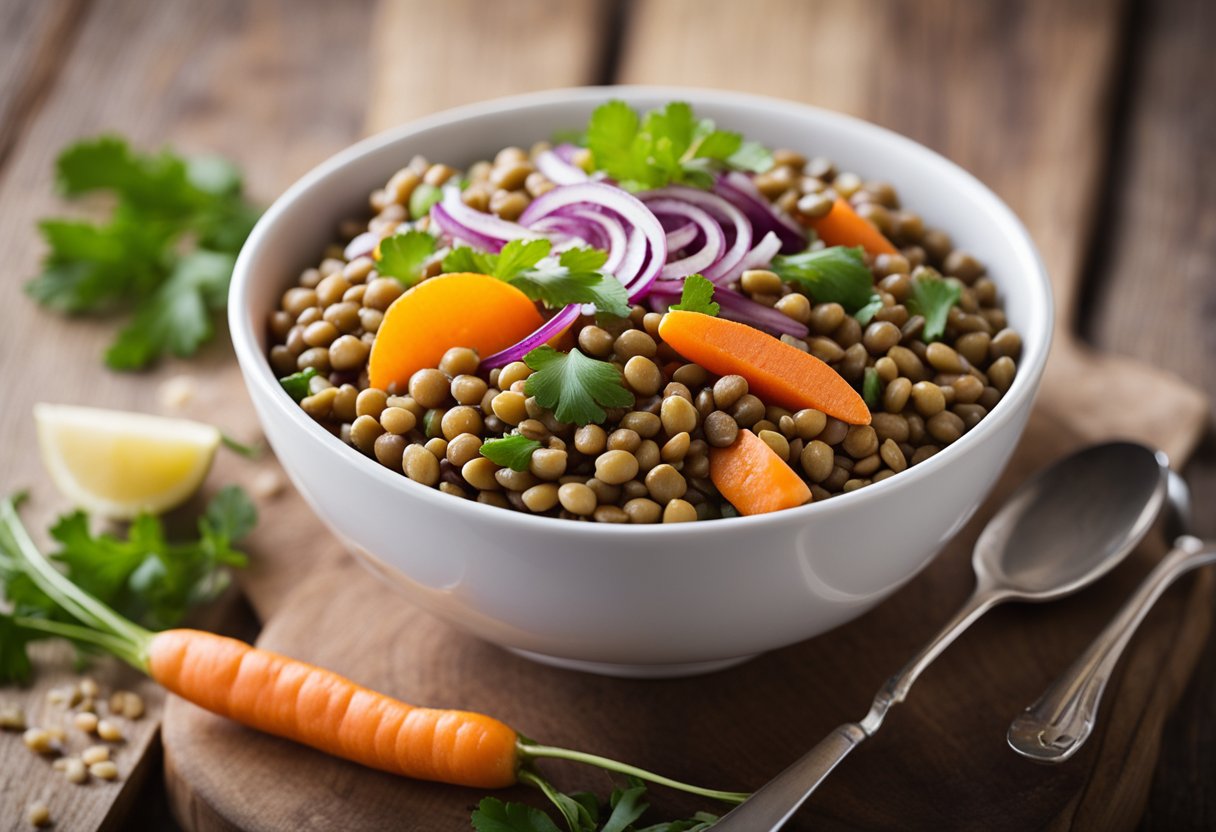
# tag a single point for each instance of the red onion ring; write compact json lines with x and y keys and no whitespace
{"x":542,"y":335}
{"x":705,"y":257}
{"x":739,"y":189}
{"x":557,"y":170}
{"x":721,"y":209}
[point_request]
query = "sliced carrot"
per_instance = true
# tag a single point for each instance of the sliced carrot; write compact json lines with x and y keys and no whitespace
{"x":753,"y":478}
{"x":775,"y":371}
{"x":452,"y":310}
{"x":842,"y":226}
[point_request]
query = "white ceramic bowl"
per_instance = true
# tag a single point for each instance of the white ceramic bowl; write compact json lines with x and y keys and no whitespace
{"x":639,"y":600}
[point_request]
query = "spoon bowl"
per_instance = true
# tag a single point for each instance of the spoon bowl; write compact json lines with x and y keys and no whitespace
{"x":1068,"y":526}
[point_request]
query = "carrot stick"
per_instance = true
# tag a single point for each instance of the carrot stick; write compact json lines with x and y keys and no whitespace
{"x":753,"y":478}
{"x":777,"y":372}
{"x":842,"y":226}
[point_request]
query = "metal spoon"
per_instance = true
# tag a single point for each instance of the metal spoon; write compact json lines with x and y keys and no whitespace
{"x":1056,"y":726}
{"x":1060,"y":531}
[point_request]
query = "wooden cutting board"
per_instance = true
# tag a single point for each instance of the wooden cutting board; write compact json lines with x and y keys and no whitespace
{"x":941,"y":760}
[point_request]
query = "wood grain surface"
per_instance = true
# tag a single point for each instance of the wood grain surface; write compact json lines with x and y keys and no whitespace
{"x":1082,"y":115}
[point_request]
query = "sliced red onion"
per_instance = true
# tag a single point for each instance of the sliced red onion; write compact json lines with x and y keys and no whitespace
{"x":610,"y":231}
{"x":739,"y":189}
{"x":761,"y":256}
{"x":735,"y":306}
{"x":722,"y":210}
{"x":484,"y":230}
{"x":544,"y":333}
{"x":680,"y":237}
{"x":565,"y":151}
{"x":557,"y":170}
{"x":631,"y":211}
{"x":705,"y":257}
{"x":362,"y":246}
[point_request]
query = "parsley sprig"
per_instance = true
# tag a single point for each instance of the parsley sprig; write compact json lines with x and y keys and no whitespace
{"x":576,"y":388}
{"x":669,"y":145}
{"x":165,"y":253}
{"x":514,"y":451}
{"x":404,"y":256}
{"x":573,"y":276}
{"x":932,"y":297}
{"x":582,"y":812}
{"x":145,"y":576}
{"x":831,"y":275}
{"x":697,"y":295}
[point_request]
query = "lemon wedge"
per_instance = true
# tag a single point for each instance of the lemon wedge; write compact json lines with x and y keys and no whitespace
{"x":116,"y":464}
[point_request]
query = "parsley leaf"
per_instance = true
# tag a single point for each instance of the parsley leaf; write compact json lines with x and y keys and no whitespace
{"x":166,"y":250}
{"x":832,"y":275}
{"x":177,"y":317}
{"x":492,"y":815}
{"x":514,"y":452}
{"x":866,"y":313}
{"x":871,"y":387}
{"x":932,"y":297}
{"x":576,"y":279}
{"x":627,"y":806}
{"x":576,"y":388}
{"x":697,"y":296}
{"x":667,"y":145}
{"x":296,"y":384}
{"x":402,"y":256}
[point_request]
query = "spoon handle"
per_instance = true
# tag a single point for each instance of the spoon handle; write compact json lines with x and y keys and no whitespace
{"x":1058,"y":724}
{"x":769,"y":808}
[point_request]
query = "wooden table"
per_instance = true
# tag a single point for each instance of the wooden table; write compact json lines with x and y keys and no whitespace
{"x":1091,"y":118}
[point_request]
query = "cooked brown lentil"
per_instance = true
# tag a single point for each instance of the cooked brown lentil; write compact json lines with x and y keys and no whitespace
{"x":650,"y":463}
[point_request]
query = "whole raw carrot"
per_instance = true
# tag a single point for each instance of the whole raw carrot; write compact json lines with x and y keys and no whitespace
{"x":319,"y":708}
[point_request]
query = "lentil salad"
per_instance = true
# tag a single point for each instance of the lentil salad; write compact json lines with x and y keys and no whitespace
{"x":925,"y":344}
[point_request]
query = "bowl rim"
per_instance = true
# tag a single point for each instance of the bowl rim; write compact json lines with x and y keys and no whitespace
{"x":256,"y":368}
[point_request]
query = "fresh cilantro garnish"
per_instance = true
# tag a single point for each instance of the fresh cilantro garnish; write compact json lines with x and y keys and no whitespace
{"x":866,"y":313}
{"x":575,"y":277}
{"x":166,"y":251}
{"x":296,"y":384}
{"x":932,"y":297}
{"x":576,"y":388}
{"x":145,"y":577}
{"x":832,"y":275}
{"x":582,"y":812}
{"x":666,"y":146}
{"x":697,"y":296}
{"x":871,"y":387}
{"x":402,"y":256}
{"x":422,"y":198}
{"x":514,"y":452}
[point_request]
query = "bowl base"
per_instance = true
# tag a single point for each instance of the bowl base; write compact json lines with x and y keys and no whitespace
{"x":635,"y":671}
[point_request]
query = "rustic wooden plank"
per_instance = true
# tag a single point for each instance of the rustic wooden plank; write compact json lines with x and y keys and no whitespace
{"x":1154,"y":297}
{"x":243,"y":79}
{"x":427,"y":58}
{"x":1017,"y":93}
{"x":33,"y":37}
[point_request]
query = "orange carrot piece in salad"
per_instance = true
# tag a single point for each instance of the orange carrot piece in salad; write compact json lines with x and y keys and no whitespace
{"x":842,"y":226}
{"x":777,"y":372}
{"x":753,"y":478}
{"x":453,"y":310}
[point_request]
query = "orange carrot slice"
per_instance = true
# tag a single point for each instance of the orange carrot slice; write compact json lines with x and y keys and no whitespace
{"x":452,"y":310}
{"x":753,"y":478}
{"x":775,"y":371}
{"x":842,"y":226}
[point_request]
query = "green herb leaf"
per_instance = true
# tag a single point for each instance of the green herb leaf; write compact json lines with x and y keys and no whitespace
{"x":668,"y":145}
{"x":575,"y":279}
{"x":514,"y":452}
{"x":423,"y":197}
{"x":866,"y":313}
{"x":576,"y":388}
{"x":464,"y":259}
{"x":166,"y":250}
{"x":697,"y":296}
{"x":627,"y":807}
{"x":871,"y":387}
{"x":177,"y":318}
{"x":403,"y":256}
{"x":831,"y":275}
{"x":932,"y":297}
{"x":14,"y":660}
{"x":296,"y":384}
{"x":519,"y":255}
{"x":492,"y":815}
